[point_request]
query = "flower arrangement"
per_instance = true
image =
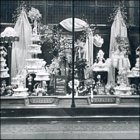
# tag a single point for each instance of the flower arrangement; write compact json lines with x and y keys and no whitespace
{"x":122,"y":8}
{"x":34,"y":14}
{"x":76,"y":83}
{"x":17,"y":12}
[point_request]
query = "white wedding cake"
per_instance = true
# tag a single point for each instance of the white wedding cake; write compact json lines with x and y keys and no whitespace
{"x":122,"y":89}
{"x":19,"y":83}
{"x":3,"y":66}
{"x":100,"y":64}
{"x":35,"y":49}
{"x":42,"y":75}
{"x":34,"y":64}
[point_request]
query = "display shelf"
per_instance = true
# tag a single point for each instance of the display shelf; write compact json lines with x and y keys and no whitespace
{"x":65,"y":101}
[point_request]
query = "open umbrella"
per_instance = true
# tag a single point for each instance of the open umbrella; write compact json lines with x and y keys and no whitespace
{"x":79,"y":25}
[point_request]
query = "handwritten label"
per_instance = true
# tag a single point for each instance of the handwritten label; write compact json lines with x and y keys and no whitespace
{"x":60,"y":85}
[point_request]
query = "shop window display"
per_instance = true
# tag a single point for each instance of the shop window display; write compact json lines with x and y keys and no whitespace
{"x":39,"y":78}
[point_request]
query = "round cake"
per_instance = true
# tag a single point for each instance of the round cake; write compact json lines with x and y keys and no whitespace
{"x":42,"y":75}
{"x":100,"y":67}
{"x":34,"y":63}
{"x":20,"y":92}
{"x":4,"y":73}
{"x":122,"y":90}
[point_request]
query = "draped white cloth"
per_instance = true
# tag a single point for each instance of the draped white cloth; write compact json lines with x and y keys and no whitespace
{"x":80,"y":25}
{"x":89,"y":47}
{"x":20,"y":48}
{"x":118,"y":29}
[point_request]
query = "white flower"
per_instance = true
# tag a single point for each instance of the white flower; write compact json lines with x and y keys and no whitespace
{"x":34,"y":14}
{"x":76,"y":83}
{"x":98,"y":76}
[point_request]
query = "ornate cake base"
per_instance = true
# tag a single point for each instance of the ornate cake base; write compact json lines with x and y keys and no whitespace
{"x":119,"y":90}
{"x":20,"y":92}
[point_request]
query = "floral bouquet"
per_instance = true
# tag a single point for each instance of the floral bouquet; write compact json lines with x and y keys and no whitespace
{"x":76,"y":83}
{"x":34,"y":14}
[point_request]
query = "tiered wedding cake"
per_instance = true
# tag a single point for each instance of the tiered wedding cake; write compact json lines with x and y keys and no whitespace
{"x":19,"y":80}
{"x":135,"y":71}
{"x":3,"y":66}
{"x":34,"y":64}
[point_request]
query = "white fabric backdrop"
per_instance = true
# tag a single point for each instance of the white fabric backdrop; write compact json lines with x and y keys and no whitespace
{"x":19,"y":49}
{"x":118,"y":28}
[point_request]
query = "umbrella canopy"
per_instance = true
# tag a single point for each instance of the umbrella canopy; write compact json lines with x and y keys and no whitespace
{"x":79,"y":25}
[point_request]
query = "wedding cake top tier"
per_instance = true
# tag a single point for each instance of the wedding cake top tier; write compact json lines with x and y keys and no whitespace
{"x":100,"y":64}
{"x":2,"y":63}
{"x":35,"y":38}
